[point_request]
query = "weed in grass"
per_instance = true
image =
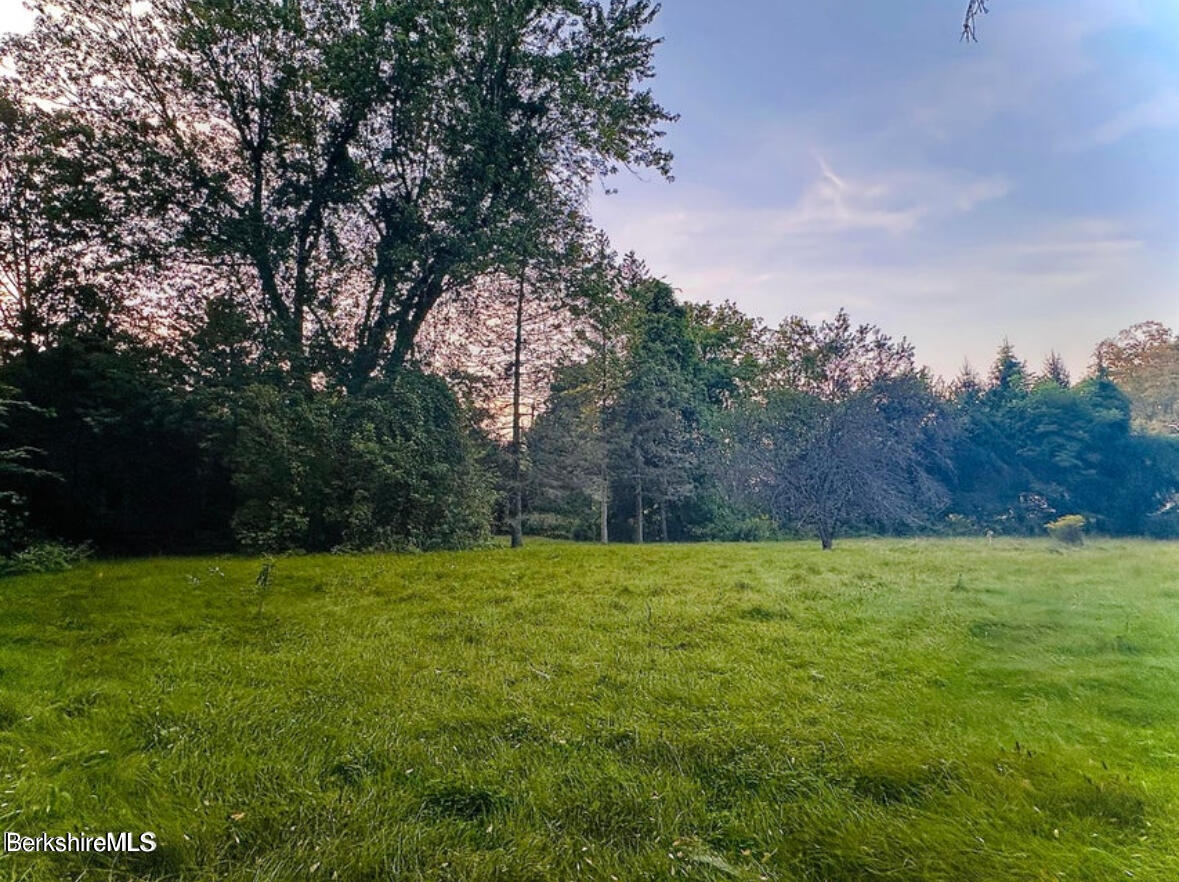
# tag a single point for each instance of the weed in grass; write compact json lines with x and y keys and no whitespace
{"x":902,"y":782}
{"x":1125,"y":646}
{"x":80,"y":703}
{"x":264,"y":581}
{"x":351,"y":770}
{"x":761,"y":614}
{"x":1111,"y":802}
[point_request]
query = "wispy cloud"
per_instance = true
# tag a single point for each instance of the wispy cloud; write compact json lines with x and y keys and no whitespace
{"x":894,"y":202}
{"x":1158,"y":112}
{"x":1063,"y":286}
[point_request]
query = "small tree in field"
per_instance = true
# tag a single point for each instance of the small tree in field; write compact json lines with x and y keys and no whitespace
{"x":826,"y":465}
{"x":842,"y":431}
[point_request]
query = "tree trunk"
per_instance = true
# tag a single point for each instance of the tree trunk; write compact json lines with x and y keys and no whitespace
{"x":605,"y":451}
{"x":663,"y":520}
{"x":517,"y":513}
{"x":605,"y":507}
{"x":639,"y":511}
{"x":826,"y":537}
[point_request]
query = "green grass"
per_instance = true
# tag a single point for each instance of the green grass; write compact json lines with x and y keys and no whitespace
{"x":893,"y":709}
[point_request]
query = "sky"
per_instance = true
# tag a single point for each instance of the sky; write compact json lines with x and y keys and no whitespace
{"x":857,"y":155}
{"x":854,"y":153}
{"x":13,"y":16}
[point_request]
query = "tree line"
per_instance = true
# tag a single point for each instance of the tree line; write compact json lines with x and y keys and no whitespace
{"x":683,"y":421}
{"x":318,"y":275}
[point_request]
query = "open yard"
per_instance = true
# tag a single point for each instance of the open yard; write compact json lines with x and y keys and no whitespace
{"x":902,"y":709}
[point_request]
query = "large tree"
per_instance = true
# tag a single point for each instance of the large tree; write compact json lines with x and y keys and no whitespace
{"x":825,"y":465}
{"x":652,"y":422}
{"x":834,"y":358}
{"x":352,"y":159}
{"x":1144,"y":361}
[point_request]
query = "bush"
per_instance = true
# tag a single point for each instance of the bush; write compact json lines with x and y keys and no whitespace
{"x":389,"y":469}
{"x":760,"y":528}
{"x":45,"y":557}
{"x":1164,"y":524}
{"x":136,"y":468}
{"x":1069,"y":529}
{"x":577,"y":525}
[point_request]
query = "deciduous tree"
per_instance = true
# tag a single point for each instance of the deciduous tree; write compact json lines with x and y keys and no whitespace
{"x":355,"y":159}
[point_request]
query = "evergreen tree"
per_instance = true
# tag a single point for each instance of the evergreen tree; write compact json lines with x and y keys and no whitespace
{"x":652,"y":422}
{"x":568,"y":480}
{"x":1055,"y":372}
{"x":1009,"y":376}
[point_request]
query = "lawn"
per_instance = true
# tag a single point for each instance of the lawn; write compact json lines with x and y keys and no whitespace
{"x":900,"y":709}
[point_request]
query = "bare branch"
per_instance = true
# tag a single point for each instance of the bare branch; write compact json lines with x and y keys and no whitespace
{"x":973,"y":9}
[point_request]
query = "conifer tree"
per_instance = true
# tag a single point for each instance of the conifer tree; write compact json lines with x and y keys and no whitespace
{"x":1055,"y":372}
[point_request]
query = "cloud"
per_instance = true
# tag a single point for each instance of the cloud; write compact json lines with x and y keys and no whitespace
{"x":832,"y":204}
{"x":894,"y":203}
{"x":1159,"y":112}
{"x":889,"y":196}
{"x":832,"y":210}
{"x":868,"y":244}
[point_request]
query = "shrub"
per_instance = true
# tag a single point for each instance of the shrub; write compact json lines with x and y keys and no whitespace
{"x":44,"y":557}
{"x":392,"y":468}
{"x":1163,"y":524}
{"x":1069,"y":529}
{"x":579,"y":525}
{"x":760,"y":528}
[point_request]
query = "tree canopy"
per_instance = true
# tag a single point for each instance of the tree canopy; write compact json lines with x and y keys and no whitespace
{"x":344,"y":163}
{"x":319,"y":274}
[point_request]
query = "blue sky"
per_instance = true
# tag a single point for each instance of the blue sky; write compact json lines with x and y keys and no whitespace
{"x":857,"y":154}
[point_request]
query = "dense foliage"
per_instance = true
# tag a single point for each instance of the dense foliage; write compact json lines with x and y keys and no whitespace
{"x":702,"y":423}
{"x":391,"y":468}
{"x":282,"y":275}
{"x":224,"y":225}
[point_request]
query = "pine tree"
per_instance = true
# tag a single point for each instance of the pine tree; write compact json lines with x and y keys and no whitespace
{"x":1009,"y":375}
{"x":651,"y":424}
{"x":1055,"y":372}
{"x":966,"y":386}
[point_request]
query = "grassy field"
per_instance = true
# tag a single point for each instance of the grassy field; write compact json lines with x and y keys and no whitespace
{"x":893,"y":709}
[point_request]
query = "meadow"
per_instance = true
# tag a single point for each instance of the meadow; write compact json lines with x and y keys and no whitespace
{"x":900,"y":709}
